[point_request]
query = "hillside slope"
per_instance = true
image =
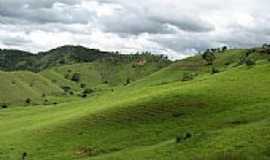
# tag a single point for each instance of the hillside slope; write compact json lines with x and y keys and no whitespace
{"x":16,"y":87}
{"x":212,"y":116}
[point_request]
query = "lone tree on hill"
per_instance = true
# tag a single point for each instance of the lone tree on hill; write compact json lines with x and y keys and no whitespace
{"x":209,"y":56}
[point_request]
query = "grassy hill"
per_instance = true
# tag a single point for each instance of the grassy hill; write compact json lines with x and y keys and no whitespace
{"x":17,"y":87}
{"x":183,"y":111}
{"x":11,"y":60}
{"x":68,"y":72}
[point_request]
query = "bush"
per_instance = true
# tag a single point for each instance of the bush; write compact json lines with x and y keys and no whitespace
{"x":88,"y":91}
{"x":66,"y":88}
{"x":209,"y":56}
{"x":183,"y":137}
{"x":46,"y":101}
{"x":84,"y":95}
{"x":28,"y":101}
{"x":127,"y":81}
{"x":187,"y":76}
{"x":43,"y":95}
{"x":106,"y":82}
{"x":76,"y":77}
{"x":4,"y":106}
{"x":82,"y":85}
{"x":250,"y":62}
{"x":214,"y":70}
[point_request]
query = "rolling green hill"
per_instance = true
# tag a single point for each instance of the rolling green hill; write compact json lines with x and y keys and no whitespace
{"x":57,"y":70}
{"x":187,"y":111}
{"x":16,"y":87}
{"x":11,"y":60}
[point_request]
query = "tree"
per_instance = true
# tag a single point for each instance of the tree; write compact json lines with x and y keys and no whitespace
{"x":266,"y":46}
{"x":28,"y":101}
{"x":76,"y":77}
{"x":209,"y":56}
{"x":224,"y":48}
{"x":127,"y":81}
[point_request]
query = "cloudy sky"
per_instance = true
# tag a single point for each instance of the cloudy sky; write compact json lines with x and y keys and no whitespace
{"x":177,"y":28}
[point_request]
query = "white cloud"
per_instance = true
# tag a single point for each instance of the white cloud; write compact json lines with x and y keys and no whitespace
{"x":176,"y":28}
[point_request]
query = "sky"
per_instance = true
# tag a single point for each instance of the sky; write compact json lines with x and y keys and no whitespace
{"x":176,"y":28}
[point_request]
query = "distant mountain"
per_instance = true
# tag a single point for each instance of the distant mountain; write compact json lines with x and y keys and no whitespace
{"x":20,"y":60}
{"x":11,"y":60}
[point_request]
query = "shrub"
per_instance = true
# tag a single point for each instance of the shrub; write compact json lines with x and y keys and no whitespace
{"x":24,"y":156}
{"x":187,"y":76}
{"x":250,"y":62}
{"x":209,"y":57}
{"x":43,"y":95}
{"x":46,"y":101}
{"x":88,"y":91}
{"x":84,"y":95}
{"x":66,"y":88}
{"x":214,"y":70}
{"x":67,"y":76}
{"x":76,"y":77}
{"x":4,"y":105}
{"x":183,"y":137}
{"x":127,"y":81}
{"x":28,"y":101}
{"x":82,"y":85}
{"x":178,"y":139}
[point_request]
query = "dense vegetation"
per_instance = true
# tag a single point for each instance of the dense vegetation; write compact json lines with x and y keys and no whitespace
{"x":11,"y":60}
{"x":183,"y":110}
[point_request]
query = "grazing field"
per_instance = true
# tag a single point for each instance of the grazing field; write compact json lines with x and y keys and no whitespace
{"x":182,"y":111}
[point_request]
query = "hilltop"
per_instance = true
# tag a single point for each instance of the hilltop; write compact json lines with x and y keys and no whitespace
{"x":12,"y":60}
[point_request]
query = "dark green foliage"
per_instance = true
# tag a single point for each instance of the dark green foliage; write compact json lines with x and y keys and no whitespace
{"x":11,"y":60}
{"x":4,"y":105}
{"x":46,"y":101}
{"x":250,"y":62}
{"x":214,"y":70}
{"x":67,"y":76}
{"x":181,"y":138}
{"x":127,"y":81}
{"x":76,"y":77}
{"x":66,"y":88}
{"x":209,"y":56}
{"x":28,"y":101}
{"x":224,"y":48}
{"x":88,"y":91}
{"x":84,"y":95}
{"x":24,"y":156}
{"x":188,"y":76}
{"x":245,"y":58}
{"x":266,"y":46}
{"x":82,"y":85}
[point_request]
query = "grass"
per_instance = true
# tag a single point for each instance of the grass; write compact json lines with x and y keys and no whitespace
{"x":227,"y":115}
{"x":16,"y":87}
